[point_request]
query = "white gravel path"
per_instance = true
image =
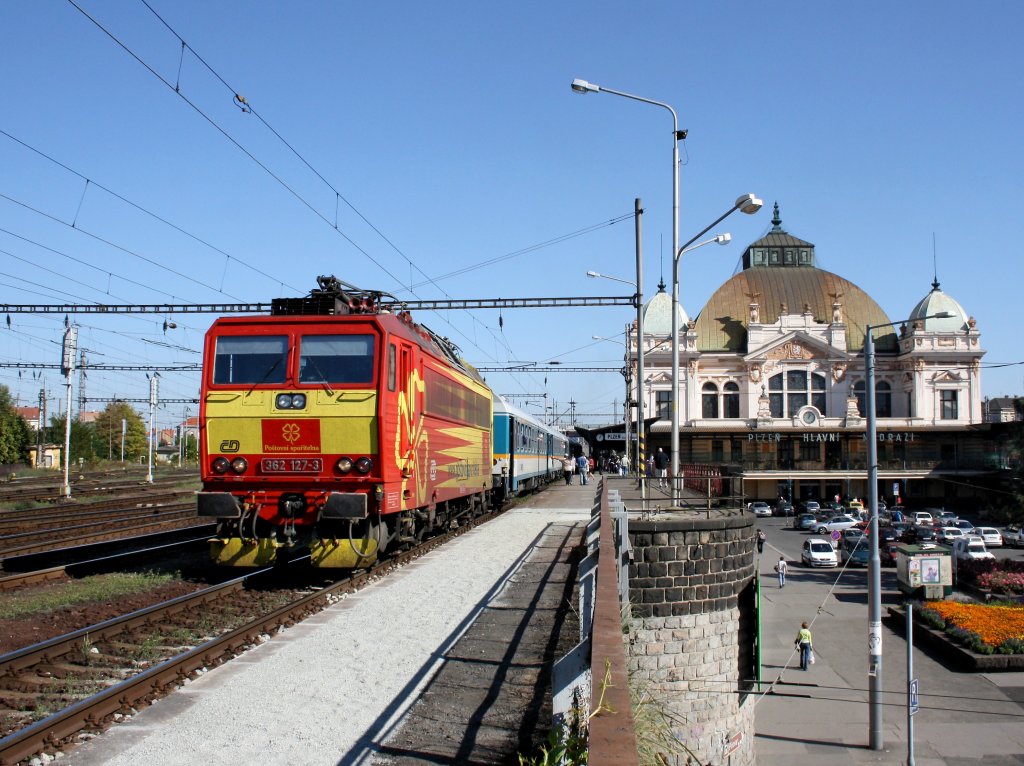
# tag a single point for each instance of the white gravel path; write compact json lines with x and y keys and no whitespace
{"x":318,"y":693}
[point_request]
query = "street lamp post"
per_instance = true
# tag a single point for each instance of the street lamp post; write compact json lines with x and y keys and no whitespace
{"x":583,"y":87}
{"x":749,"y":204}
{"x":874,"y":563}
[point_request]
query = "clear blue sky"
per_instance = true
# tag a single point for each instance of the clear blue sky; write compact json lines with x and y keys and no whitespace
{"x":451,"y":128}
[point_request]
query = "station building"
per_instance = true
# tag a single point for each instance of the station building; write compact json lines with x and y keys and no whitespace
{"x":772,"y":384}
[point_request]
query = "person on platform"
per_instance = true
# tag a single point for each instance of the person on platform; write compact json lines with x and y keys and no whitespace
{"x":804,"y":645}
{"x":624,"y":465}
{"x":761,"y":537}
{"x":567,"y":467}
{"x":661,"y":467}
{"x":584,"y":467}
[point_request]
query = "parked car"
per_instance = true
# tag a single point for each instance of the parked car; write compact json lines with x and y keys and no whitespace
{"x":855,"y":551}
{"x":1013,"y":537}
{"x":887,"y":534}
{"x":947,"y":518}
{"x":855,"y":507}
{"x":993,"y":537}
{"x":836,"y":523}
{"x":761,"y":509}
{"x":918,"y":534}
{"x":948,"y":535}
{"x":963,"y":524}
{"x":852,"y":534}
{"x":805,"y":521}
{"x":818,"y":553}
{"x":887,"y":554}
{"x":922,"y":517}
{"x":783,"y":508}
{"x":811,"y":506}
{"x":969,"y":549}
{"x":900,"y":528}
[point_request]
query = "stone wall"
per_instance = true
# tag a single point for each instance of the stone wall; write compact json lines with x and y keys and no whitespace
{"x":692,"y":638}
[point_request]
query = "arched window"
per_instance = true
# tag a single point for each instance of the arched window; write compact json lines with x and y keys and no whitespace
{"x":793,"y":389}
{"x":883,"y":398}
{"x":731,"y":400}
{"x":709,"y":401}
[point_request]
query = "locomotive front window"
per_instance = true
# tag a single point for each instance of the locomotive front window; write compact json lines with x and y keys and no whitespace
{"x":336,"y":359}
{"x":250,"y":359}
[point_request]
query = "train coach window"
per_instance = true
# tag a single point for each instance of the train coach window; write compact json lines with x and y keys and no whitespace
{"x":250,"y":359}
{"x":336,"y":359}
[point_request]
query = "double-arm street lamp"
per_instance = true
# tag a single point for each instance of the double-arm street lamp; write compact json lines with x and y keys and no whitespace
{"x":874,"y":563}
{"x":749,"y":204}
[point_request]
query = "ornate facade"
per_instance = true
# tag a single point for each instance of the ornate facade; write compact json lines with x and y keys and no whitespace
{"x":772,"y":382}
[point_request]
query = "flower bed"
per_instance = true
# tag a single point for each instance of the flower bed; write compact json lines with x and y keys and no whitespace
{"x":982,"y":628}
{"x":1005,"y":576}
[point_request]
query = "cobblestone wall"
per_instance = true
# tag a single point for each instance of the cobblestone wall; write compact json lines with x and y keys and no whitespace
{"x":692,"y":639}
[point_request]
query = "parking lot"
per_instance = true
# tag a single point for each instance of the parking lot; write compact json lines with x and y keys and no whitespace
{"x":788,"y":541}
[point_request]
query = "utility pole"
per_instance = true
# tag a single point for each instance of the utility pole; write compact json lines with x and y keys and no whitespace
{"x":154,"y":387}
{"x":39,"y":430}
{"x":81,"y":380}
{"x":68,"y":368}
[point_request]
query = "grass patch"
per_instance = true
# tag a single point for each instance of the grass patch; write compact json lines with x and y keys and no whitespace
{"x":97,"y":588}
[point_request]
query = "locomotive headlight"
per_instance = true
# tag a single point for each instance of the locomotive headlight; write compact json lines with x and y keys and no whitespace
{"x":344,"y":464}
{"x":220,"y":465}
{"x":290,"y":401}
{"x":364,"y":464}
{"x":239,"y":464}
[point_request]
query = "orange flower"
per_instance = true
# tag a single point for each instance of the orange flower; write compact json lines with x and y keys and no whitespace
{"x":995,"y":624}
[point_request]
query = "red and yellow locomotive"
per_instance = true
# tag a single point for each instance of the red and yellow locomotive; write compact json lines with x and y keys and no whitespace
{"x":338,"y":426}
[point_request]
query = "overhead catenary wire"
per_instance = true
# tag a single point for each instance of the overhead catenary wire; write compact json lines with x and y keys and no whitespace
{"x":147,"y":212}
{"x":262,"y":165}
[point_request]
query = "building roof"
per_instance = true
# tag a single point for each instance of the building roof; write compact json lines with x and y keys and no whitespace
{"x":722,"y":323}
{"x":937,"y":302}
{"x":658,"y":313}
{"x":780,"y":275}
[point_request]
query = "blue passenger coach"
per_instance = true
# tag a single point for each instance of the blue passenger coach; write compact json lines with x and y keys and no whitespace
{"x":527,"y":453}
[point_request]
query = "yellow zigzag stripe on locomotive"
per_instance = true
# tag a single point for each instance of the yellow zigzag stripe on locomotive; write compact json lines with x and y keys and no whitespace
{"x":464,"y":464}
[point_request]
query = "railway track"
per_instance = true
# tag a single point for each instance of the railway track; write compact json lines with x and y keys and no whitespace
{"x":95,"y":676}
{"x":33,"y":489}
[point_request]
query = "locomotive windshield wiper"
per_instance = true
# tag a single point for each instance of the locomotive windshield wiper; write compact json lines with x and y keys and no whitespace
{"x":323,"y":378}
{"x":266,"y":375}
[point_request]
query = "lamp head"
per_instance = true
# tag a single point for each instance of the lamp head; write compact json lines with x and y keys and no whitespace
{"x":582,"y":86}
{"x":723,"y":239}
{"x":593,"y":274}
{"x":748,"y":204}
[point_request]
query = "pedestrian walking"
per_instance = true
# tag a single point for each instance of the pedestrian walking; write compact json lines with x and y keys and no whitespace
{"x":567,"y":465}
{"x":761,"y":537}
{"x":624,"y":465}
{"x":661,"y":467}
{"x":804,"y":644}
{"x":781,"y":568}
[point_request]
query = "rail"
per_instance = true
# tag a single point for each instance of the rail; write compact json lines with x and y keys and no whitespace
{"x":592,"y":680}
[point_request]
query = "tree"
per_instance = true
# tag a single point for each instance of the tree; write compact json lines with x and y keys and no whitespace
{"x":81,"y":438}
{"x":107,"y":433}
{"x":15,"y":437}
